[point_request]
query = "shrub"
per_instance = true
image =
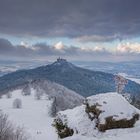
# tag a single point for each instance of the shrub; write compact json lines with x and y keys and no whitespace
{"x":62,"y":129}
{"x":38,"y":93}
{"x":93,"y":111}
{"x":53,"y":108}
{"x":17,"y":103}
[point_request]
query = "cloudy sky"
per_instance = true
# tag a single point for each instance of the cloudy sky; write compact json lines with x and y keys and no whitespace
{"x":91,"y":30}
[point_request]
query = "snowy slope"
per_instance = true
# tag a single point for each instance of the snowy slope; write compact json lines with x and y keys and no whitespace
{"x":78,"y":120}
{"x":113,"y":104}
{"x":34,"y":115}
{"x":65,"y":98}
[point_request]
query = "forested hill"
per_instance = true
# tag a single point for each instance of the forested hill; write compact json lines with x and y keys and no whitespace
{"x":83,"y":81}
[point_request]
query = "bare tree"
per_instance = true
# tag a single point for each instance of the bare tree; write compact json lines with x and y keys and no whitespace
{"x":38,"y":93}
{"x":120,"y":82}
{"x":9,"y":132}
{"x":37,"y":96}
{"x":26,"y":90}
{"x":20,"y":134}
{"x":8,"y":95}
{"x":6,"y":129}
{"x":17,"y":103}
{"x":53,"y":108}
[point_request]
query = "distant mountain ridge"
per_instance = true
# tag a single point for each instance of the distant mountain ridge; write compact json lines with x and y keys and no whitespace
{"x":83,"y":81}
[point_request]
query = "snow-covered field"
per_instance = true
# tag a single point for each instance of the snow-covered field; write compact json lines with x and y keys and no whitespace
{"x":34,"y":116}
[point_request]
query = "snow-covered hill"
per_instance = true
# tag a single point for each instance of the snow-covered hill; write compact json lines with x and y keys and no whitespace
{"x":35,"y":117}
{"x":111,"y":105}
{"x":41,"y":99}
{"x":64,"y":97}
{"x":83,"y":81}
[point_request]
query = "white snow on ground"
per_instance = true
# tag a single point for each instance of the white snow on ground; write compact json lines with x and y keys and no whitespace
{"x":121,"y":136}
{"x":134,"y":79}
{"x":130,"y":77}
{"x":112,"y":104}
{"x":34,"y":116}
{"x":78,"y":120}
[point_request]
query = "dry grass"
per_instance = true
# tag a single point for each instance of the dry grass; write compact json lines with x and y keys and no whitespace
{"x":111,"y":123}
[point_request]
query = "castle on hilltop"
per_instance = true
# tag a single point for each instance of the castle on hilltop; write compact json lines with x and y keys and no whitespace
{"x":61,"y":59}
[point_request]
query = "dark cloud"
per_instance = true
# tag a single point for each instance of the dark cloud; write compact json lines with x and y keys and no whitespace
{"x":107,"y":19}
{"x":96,"y":38}
{"x":44,"y":50}
{"x":5,"y":45}
{"x":24,"y":51}
{"x":7,"y":49}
